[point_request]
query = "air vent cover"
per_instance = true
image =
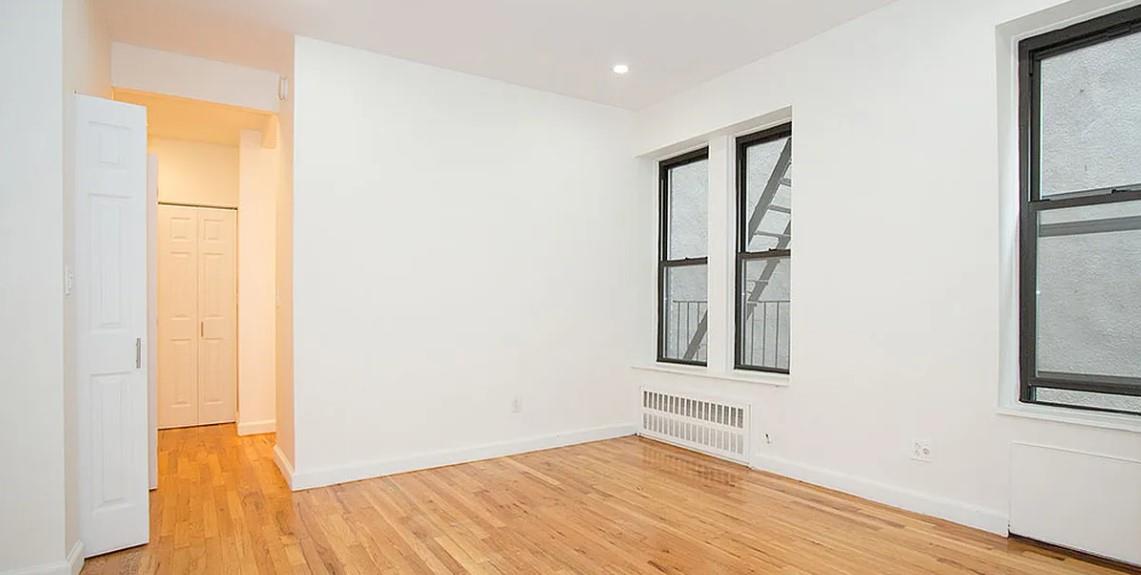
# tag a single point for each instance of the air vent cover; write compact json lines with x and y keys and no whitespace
{"x":715,"y":426}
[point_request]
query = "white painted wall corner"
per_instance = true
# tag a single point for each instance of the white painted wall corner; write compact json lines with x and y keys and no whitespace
{"x":283,"y":465}
{"x":75,"y":558}
{"x":72,"y":565}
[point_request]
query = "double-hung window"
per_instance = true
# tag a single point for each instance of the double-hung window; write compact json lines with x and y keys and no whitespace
{"x":683,"y":304}
{"x":764,"y":257}
{"x":1080,"y":183}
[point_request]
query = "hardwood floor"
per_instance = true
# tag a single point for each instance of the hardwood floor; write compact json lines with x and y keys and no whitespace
{"x":622,"y":506}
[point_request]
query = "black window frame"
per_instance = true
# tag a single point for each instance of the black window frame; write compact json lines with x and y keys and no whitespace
{"x":743,"y":254}
{"x":664,"y":262}
{"x":1031,"y":52}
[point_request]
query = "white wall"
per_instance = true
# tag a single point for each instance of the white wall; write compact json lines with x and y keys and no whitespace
{"x":459,"y":243}
{"x":257,"y":220}
{"x":162,"y":72}
{"x":32,"y":483}
{"x":283,"y":287}
{"x":86,"y":70}
{"x":902,"y":269}
{"x":196,"y":172}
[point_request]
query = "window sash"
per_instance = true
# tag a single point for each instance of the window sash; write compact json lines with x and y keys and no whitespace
{"x":1069,"y":405}
{"x":1031,"y":377}
{"x":1031,"y":53}
{"x":663,"y":311}
{"x":664,"y":262}
{"x":743,"y":253}
{"x":738,"y":309}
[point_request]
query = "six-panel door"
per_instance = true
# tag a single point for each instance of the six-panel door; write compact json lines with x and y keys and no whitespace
{"x":197,"y":371}
{"x":217,"y":316}
{"x":110,"y":313}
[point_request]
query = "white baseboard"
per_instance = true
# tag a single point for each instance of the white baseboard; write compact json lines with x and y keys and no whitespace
{"x":256,"y":427}
{"x":950,"y":510}
{"x":69,"y":566}
{"x":283,"y":465}
{"x":75,"y":559}
{"x":307,"y":479}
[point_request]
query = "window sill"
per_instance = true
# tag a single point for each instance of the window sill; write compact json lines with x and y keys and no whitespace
{"x":1062,"y":415}
{"x":773,"y":379}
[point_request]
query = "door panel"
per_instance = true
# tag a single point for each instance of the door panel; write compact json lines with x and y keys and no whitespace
{"x":217,"y":313}
{"x":178,"y":327}
{"x":110,"y":303}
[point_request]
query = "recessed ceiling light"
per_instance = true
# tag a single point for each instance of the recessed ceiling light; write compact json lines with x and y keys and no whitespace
{"x":621,"y":69}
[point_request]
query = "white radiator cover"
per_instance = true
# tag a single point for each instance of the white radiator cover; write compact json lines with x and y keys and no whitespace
{"x":718,"y":427}
{"x":1075,"y":499}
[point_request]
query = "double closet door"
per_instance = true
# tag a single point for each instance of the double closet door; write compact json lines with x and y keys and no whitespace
{"x":197,"y":309}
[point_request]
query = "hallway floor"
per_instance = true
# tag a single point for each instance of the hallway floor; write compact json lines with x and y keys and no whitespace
{"x":621,"y":506}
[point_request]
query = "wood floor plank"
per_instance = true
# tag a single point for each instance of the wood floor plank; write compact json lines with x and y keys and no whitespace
{"x":627,"y":505}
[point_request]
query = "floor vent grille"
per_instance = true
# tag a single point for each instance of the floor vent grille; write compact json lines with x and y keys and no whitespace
{"x":713,"y":426}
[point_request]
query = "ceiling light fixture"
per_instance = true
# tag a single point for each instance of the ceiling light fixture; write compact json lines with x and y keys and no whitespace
{"x":621,"y":69}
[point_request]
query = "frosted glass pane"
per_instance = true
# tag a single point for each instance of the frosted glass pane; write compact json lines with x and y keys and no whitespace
{"x":688,"y":213}
{"x":1089,"y":290}
{"x":1091,"y":117}
{"x":773,"y":229}
{"x":764,"y":336}
{"x":1087,"y":399}
{"x":685,"y":306}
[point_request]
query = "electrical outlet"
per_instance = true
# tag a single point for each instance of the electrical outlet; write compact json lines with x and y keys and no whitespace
{"x":516,"y":405}
{"x":921,"y":450}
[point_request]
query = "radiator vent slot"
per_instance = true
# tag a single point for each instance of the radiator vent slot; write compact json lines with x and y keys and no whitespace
{"x":714,"y":426}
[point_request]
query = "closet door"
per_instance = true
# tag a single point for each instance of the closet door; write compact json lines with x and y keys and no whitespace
{"x":178,"y":327}
{"x":217,"y":315}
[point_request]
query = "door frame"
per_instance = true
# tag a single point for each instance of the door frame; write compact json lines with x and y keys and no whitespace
{"x":152,"y":319}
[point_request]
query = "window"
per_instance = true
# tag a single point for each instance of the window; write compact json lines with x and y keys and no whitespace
{"x":683,"y":301}
{"x":1080,"y":181}
{"x":764,"y":260}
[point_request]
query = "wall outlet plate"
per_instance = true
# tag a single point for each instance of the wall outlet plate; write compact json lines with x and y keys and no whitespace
{"x":921,"y":450}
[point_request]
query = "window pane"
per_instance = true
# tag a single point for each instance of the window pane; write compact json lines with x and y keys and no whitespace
{"x":686,"y":305}
{"x":764,"y":336}
{"x":771,"y":213}
{"x":1089,"y":290}
{"x":688,"y":225}
{"x":1091,"y":116}
{"x":1087,"y":399}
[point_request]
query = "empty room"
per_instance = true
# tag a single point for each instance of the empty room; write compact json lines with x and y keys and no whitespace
{"x":570,"y":286}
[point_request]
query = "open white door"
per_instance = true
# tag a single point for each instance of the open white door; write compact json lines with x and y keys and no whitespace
{"x":111,"y":320}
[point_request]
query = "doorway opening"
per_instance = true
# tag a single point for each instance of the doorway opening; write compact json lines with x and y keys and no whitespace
{"x":212,"y":225}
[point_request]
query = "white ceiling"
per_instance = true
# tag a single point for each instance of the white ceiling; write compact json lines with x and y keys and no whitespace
{"x":562,"y":46}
